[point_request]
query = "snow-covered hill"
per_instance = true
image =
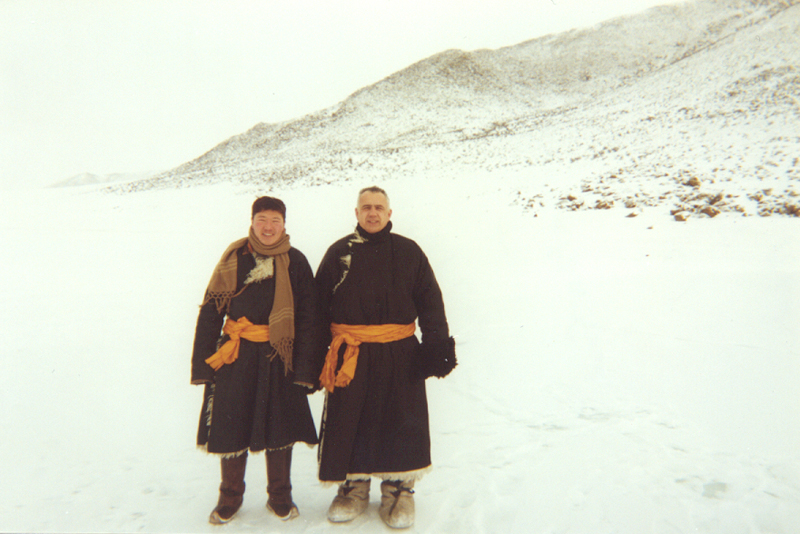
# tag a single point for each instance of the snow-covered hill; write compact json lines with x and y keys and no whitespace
{"x":88,"y":178}
{"x":616,"y":375}
{"x":694,"y":108}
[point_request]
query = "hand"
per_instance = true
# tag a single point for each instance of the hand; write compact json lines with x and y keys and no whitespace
{"x":437,"y":358}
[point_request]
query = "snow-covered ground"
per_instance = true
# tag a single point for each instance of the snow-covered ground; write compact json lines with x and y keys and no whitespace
{"x":617,"y":375}
{"x":620,"y":372}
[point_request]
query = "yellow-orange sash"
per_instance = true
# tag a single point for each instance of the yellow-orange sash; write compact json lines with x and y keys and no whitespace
{"x":241,"y":328}
{"x":354,"y":335}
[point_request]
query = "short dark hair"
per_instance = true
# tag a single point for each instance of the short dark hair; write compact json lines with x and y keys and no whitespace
{"x":269,"y":203}
{"x":373,"y":189}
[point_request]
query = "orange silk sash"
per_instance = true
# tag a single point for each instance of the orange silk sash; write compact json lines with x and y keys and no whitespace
{"x":353,"y":336}
{"x":241,"y":328}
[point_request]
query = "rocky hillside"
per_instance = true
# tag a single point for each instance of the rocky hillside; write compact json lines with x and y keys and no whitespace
{"x":694,"y":108}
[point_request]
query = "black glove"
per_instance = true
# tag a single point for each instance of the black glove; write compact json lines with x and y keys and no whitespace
{"x":434,"y":358}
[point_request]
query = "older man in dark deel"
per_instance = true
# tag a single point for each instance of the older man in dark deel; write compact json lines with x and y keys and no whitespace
{"x":373,"y":286}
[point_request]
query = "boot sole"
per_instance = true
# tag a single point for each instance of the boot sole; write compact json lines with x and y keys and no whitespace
{"x":345,"y":519}
{"x":393,"y":523}
{"x":293,"y":513}
{"x":215,"y":519}
{"x":341,"y":518}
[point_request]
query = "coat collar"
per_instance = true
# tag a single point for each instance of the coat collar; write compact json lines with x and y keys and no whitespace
{"x":376,"y":238}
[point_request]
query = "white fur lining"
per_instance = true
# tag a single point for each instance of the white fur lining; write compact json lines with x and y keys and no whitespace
{"x":204,"y":448}
{"x":264,"y":269}
{"x":403,"y":476}
{"x":210,"y":406}
{"x":347,"y":258}
{"x":236,"y":454}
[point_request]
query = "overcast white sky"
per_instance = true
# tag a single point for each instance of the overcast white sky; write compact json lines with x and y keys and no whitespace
{"x":131,"y":86}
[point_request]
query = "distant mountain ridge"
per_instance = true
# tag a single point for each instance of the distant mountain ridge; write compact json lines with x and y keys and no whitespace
{"x":666,"y":95}
{"x":87,"y":178}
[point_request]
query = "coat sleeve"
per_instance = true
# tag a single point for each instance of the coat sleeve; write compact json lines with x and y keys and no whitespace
{"x":206,"y":335}
{"x":306,"y":361}
{"x":328,"y":274}
{"x":437,"y":356}
{"x":429,"y":303}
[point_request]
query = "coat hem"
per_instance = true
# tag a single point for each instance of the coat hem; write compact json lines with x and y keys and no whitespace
{"x":224,"y":455}
{"x":403,"y":476}
{"x":236,"y":454}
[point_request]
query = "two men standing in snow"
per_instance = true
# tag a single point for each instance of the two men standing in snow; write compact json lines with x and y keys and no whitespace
{"x":371,"y":290}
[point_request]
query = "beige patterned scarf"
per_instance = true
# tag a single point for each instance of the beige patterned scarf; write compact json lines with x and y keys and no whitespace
{"x":222,"y":288}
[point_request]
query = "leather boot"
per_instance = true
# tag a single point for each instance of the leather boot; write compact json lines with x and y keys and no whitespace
{"x":351,"y":500}
{"x":231,"y":490}
{"x":279,"y":484}
{"x":397,"y":503}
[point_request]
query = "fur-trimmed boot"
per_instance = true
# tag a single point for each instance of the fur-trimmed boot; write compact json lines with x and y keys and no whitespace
{"x":397,"y":503}
{"x":279,"y":484}
{"x":231,"y":490}
{"x":350,"y":502}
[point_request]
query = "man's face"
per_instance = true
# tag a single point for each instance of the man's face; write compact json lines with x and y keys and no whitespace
{"x":373,"y":212}
{"x":268,"y":226}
